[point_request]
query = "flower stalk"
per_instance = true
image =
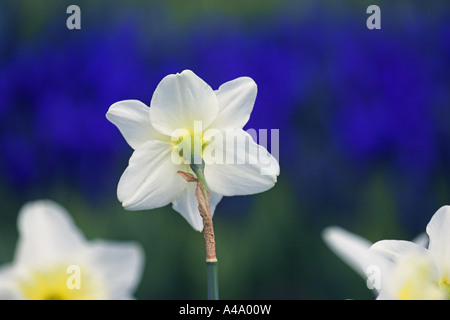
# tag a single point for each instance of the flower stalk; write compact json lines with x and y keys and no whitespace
{"x":212,"y":280}
{"x":202,"y":196}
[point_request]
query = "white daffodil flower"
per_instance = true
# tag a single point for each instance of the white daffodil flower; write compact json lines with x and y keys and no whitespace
{"x":407,"y":270}
{"x":53,"y":260}
{"x":190,"y":123}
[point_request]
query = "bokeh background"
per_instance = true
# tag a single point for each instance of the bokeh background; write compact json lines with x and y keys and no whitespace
{"x":363,"y":118}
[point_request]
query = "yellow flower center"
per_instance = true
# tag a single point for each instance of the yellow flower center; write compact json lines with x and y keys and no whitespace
{"x":189,"y":145}
{"x":415,"y":278}
{"x":421,"y":291}
{"x":62,"y":282}
{"x":445,"y":284}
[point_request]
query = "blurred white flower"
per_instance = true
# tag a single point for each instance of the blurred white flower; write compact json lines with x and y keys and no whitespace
{"x":54,"y":261}
{"x":408,"y":270}
{"x":188,"y":122}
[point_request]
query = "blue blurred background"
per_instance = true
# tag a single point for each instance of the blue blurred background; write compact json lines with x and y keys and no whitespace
{"x":363,"y":118}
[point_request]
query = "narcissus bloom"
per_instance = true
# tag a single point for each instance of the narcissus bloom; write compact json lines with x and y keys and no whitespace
{"x":53,"y":260}
{"x":407,"y":270}
{"x":188,"y":122}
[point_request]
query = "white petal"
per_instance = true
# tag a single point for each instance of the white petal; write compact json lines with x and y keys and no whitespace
{"x":236,"y":99}
{"x":181,"y":99}
{"x":243,"y":168}
{"x":9,"y":289}
{"x":438,"y":229}
{"x":187,"y":205}
{"x":47,"y":234}
{"x":394,"y":249}
{"x":132,"y":118}
{"x":422,"y":240}
{"x":353,"y":249}
{"x":214,"y":200}
{"x":120,"y":264}
{"x":151,"y":179}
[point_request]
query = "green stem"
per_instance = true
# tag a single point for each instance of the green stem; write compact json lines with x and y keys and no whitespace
{"x":208,"y":233}
{"x":212,"y":280}
{"x":199,"y":171}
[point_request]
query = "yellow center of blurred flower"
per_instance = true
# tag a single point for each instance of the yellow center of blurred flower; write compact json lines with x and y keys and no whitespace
{"x":63,"y":282}
{"x":445,"y":283}
{"x":421,"y":291}
{"x":416,"y":280}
